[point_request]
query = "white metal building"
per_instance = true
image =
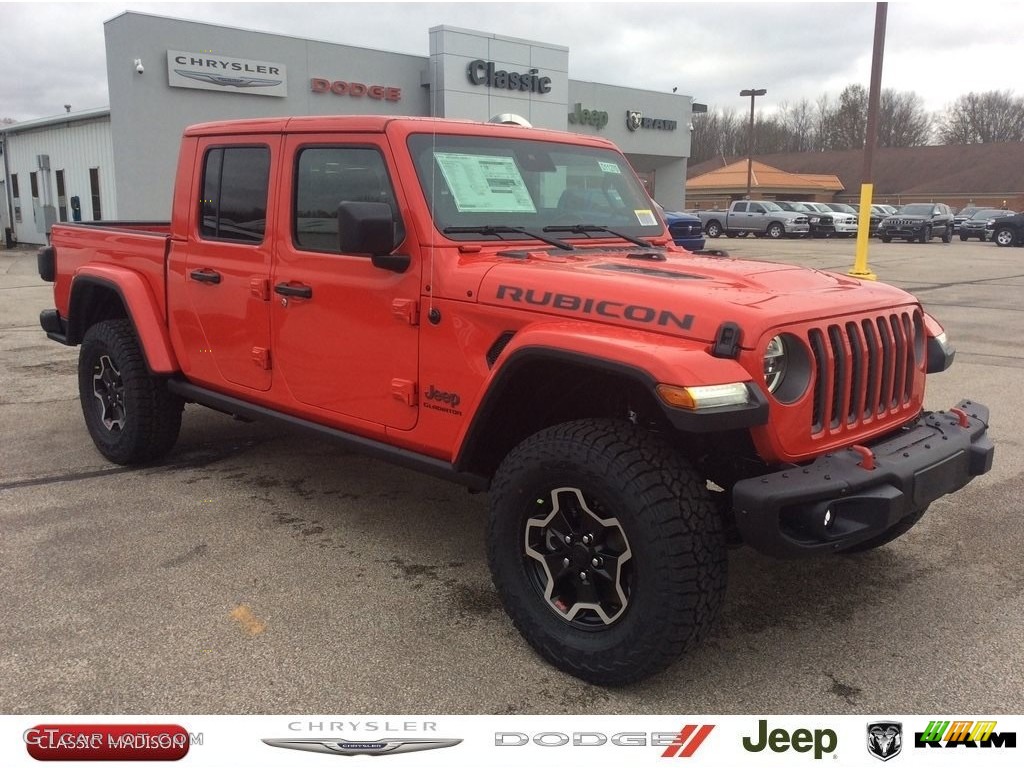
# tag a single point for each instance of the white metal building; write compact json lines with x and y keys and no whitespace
{"x":57,"y":169}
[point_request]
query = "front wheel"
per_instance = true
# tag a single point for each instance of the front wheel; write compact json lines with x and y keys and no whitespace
{"x":713,"y":229}
{"x":775,"y":231}
{"x":129,"y":413}
{"x":1003,"y":237}
{"x":926,"y":235}
{"x":606,"y":549}
{"x":947,"y":235}
{"x":885,"y":238}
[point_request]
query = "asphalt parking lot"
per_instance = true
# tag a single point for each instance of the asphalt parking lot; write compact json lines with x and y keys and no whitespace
{"x":254,"y":571}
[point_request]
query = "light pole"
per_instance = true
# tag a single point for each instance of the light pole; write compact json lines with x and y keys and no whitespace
{"x":752,"y":93}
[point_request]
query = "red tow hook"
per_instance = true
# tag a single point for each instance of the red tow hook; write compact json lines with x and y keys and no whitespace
{"x":867,"y":458}
{"x":961,"y":415}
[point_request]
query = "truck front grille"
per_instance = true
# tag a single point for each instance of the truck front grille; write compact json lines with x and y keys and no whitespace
{"x":864,"y":369}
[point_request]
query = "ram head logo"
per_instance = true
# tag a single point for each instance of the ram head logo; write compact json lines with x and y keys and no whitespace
{"x":885,"y":739}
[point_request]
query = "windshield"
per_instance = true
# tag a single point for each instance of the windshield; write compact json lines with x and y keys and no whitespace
{"x":841,"y":208}
{"x":482,"y":182}
{"x":770,"y":206}
{"x":917,"y":209}
{"x":988,"y":213}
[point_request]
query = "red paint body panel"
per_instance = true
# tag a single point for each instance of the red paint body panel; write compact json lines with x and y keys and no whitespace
{"x":364,"y":353}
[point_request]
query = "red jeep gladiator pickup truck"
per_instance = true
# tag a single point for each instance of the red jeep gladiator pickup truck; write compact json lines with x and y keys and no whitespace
{"x":502,"y":306}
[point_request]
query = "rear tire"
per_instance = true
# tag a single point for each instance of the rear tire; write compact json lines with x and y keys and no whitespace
{"x":129,"y":413}
{"x":630,"y":489}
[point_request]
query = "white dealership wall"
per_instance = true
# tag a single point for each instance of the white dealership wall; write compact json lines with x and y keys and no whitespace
{"x":256,"y":74}
{"x":75,"y":142}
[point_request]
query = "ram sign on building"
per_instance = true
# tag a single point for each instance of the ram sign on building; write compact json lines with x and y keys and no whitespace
{"x":164,"y":74}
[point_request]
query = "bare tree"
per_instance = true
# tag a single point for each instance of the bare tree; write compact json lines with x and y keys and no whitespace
{"x":798,"y":122}
{"x":902,"y":120}
{"x":981,"y":118}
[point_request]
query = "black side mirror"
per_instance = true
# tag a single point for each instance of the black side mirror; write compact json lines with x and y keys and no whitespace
{"x":370,"y":228}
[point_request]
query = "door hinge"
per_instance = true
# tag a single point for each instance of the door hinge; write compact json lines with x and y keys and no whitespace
{"x":404,"y":390}
{"x":406,"y":309}
{"x":261,"y":356}
{"x":260,"y":288}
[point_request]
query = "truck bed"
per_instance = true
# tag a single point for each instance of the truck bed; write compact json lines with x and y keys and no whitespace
{"x":140,"y":246}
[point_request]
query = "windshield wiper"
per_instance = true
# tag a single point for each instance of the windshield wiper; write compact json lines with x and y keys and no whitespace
{"x":504,"y":230}
{"x":582,"y":229}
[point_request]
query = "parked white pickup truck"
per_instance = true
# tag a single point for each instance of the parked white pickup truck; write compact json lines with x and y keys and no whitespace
{"x":762,"y":217}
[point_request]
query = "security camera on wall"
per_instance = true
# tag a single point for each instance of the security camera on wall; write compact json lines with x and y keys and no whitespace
{"x":138,"y":66}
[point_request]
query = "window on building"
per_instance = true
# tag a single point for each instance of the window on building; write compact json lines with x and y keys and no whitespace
{"x":34,"y":184}
{"x":331,"y":175}
{"x":234,"y":201}
{"x":94,"y":189}
{"x":62,"y":200}
{"x":16,"y":196}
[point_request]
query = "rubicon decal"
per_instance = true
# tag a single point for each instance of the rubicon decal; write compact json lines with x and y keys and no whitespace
{"x":591,"y":306}
{"x":109,"y":742}
{"x":688,"y":741}
{"x":972,"y":734}
{"x":351,"y":748}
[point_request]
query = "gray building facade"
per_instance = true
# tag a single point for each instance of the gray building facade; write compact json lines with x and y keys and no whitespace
{"x":165,"y":74}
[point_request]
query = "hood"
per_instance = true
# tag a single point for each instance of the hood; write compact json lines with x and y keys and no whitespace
{"x":686,"y":295}
{"x":907,"y":217}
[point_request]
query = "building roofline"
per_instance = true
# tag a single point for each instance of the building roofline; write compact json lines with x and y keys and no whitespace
{"x":68,"y":117}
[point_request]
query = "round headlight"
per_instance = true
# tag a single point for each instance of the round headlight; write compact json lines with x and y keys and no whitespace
{"x":775,"y":363}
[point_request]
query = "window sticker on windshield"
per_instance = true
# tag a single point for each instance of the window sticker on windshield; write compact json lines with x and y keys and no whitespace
{"x":488,"y":183}
{"x":646,"y":218}
{"x":609,"y":167}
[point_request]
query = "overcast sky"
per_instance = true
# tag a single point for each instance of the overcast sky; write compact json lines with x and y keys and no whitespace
{"x":53,"y":53}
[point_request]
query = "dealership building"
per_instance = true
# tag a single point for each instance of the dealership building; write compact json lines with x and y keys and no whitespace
{"x":165,"y":74}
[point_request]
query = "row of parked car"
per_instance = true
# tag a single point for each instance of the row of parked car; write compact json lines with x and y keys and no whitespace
{"x":914,"y":222}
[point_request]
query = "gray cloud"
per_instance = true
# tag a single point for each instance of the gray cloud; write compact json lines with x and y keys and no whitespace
{"x":53,"y":54}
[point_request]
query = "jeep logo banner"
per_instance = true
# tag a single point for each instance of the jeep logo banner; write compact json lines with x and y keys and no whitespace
{"x":592,"y":117}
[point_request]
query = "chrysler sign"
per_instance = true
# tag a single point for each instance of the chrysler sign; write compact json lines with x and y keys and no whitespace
{"x":214,"y":72}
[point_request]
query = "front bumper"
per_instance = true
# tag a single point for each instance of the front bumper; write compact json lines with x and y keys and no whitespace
{"x":783,"y":513}
{"x":796,"y":229}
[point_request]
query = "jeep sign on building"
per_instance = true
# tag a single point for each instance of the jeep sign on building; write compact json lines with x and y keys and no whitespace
{"x":164,"y":74}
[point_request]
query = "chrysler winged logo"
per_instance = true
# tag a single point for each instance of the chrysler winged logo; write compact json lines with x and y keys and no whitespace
{"x":237,"y":82}
{"x":343,"y":747}
{"x":885,"y":739}
{"x":634,"y":120}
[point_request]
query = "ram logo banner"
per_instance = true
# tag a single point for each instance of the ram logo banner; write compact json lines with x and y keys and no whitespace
{"x":634,"y":119}
{"x":350,"y":748}
{"x":965,"y":733}
{"x":211,"y":71}
{"x":885,"y":739}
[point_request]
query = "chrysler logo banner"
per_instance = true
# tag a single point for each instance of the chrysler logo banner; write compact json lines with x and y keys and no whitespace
{"x":349,"y":748}
{"x":210,"y":71}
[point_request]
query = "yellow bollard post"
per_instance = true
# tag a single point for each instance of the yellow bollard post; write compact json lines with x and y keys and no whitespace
{"x":860,"y":263}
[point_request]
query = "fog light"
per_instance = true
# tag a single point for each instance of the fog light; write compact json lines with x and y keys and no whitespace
{"x":828,"y":518}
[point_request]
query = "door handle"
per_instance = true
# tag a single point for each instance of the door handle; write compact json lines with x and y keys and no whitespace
{"x":299,"y":291}
{"x":205,"y":276}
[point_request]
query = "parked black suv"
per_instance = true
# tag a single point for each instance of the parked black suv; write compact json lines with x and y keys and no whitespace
{"x":918,"y":222}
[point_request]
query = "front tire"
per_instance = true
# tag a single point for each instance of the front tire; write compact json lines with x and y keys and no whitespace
{"x":129,"y":413}
{"x":646,"y":555}
{"x":926,"y":235}
{"x":885,"y":238}
{"x":713,"y":229}
{"x":947,"y":235}
{"x":1003,"y":237}
{"x":775,"y":231}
